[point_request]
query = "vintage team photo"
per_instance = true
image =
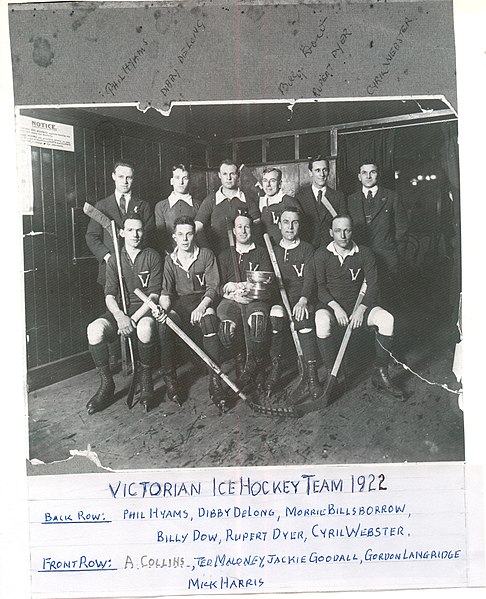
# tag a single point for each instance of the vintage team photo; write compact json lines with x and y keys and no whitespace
{"x":243,"y":284}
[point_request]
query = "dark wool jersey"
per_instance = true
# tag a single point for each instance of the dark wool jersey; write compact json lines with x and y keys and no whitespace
{"x":297,"y":269}
{"x":201,"y":278}
{"x":213,"y":213}
{"x":145,"y":273}
{"x":165,"y":215}
{"x":342,"y":282}
{"x":271,"y":213}
{"x":255,"y":259}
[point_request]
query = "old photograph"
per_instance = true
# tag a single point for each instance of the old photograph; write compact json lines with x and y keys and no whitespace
{"x":332,"y":384}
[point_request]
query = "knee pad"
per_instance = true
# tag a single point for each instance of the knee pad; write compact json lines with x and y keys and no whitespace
{"x":258,"y":325}
{"x":209,"y":324}
{"x":226,"y":332}
{"x":323,"y":323}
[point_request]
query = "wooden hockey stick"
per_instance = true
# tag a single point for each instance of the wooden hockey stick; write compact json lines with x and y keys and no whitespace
{"x":110,"y":227}
{"x":286,"y":303}
{"x":133,"y":384}
{"x":310,"y":406}
{"x":195,"y":348}
{"x":234,"y":258}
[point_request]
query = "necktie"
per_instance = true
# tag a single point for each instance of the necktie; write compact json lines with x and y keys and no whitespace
{"x":123,"y":206}
{"x":319,"y":196}
{"x":370,"y":206}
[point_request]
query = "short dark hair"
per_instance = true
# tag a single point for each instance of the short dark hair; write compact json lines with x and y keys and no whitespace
{"x":244,"y":213}
{"x":181,"y":167}
{"x":228,"y":162}
{"x":369,"y":160}
{"x":269,"y":169}
{"x":348,"y":216}
{"x":185,"y":220}
{"x":123,"y":163}
{"x":294,"y":209}
{"x":317,"y":158}
{"x":133,"y":215}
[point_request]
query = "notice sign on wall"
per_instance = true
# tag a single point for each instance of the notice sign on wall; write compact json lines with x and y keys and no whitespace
{"x":45,"y":134}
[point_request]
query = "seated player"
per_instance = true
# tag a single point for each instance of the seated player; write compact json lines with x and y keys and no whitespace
{"x":179,"y":203}
{"x":296,"y":264}
{"x":140,"y":268}
{"x":237,"y":304}
{"x":340,"y":269}
{"x":189,"y":292}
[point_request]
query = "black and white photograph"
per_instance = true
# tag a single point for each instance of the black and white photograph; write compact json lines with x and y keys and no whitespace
{"x":276,"y":315}
{"x":239,"y":249}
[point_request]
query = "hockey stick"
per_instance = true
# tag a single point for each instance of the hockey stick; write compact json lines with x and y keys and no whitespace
{"x":306,"y":407}
{"x":110,"y":227}
{"x":236,"y":269}
{"x":195,"y":348}
{"x":133,"y":384}
{"x":286,"y":303}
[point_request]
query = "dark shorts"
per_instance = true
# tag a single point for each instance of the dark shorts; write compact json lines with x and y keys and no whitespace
{"x":306,"y":323}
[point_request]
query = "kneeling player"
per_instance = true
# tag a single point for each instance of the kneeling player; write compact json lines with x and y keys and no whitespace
{"x":189,"y":290}
{"x":341,"y":268}
{"x":140,"y":268}
{"x":296,"y":264}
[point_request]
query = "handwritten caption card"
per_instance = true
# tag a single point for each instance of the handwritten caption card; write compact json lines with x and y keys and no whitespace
{"x":253,"y":530}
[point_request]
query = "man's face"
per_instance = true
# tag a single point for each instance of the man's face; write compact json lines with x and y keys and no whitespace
{"x":132,"y":232}
{"x":123,"y":178}
{"x":368,"y":175}
{"x":319,"y":173}
{"x":184,"y":237}
{"x":180,"y":181}
{"x":228,"y":175}
{"x":342,"y":232}
{"x":242,"y":230}
{"x":271,"y":183}
{"x":289,"y":225}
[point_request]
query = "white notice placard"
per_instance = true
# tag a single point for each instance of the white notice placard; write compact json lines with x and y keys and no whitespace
{"x":45,"y":134}
{"x":256,"y":530}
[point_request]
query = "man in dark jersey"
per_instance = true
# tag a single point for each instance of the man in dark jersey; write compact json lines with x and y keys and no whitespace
{"x":189,"y":293}
{"x":295,"y":259}
{"x":140,"y":268}
{"x":236,"y":303}
{"x":273,"y":202}
{"x":227,"y":202}
{"x":179,"y":203}
{"x":340,"y":269}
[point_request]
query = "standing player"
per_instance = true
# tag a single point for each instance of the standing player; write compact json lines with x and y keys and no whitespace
{"x":227,"y":202}
{"x":273,"y":202}
{"x":341,"y":268}
{"x":295,"y":259}
{"x":189,"y":292}
{"x":140,"y":268}
{"x":236,"y":303}
{"x":179,"y":203}
{"x":319,"y":203}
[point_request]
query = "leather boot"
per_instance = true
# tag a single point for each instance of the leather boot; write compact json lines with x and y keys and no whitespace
{"x":274,"y":375}
{"x":147,"y":385}
{"x":381,"y":380}
{"x":302,"y":388}
{"x":106,"y":391}
{"x":216,"y":392}
{"x":315,"y":389}
{"x":249,"y":372}
{"x":172,"y":390}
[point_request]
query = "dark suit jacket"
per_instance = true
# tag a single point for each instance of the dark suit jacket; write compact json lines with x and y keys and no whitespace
{"x":99,"y":240}
{"x":387,"y":229}
{"x":317,"y":218}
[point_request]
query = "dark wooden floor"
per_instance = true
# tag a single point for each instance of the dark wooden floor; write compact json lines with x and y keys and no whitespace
{"x":360,"y":426}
